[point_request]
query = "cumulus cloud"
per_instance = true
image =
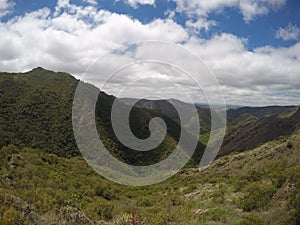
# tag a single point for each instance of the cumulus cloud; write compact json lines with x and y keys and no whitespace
{"x":202,"y":7}
{"x":135,"y":3}
{"x":249,"y":8}
{"x":5,"y":7}
{"x":73,"y":37}
{"x":247,"y":75}
{"x":291,"y":32}
{"x":93,"y":2}
{"x":200,"y":24}
{"x":252,"y":8}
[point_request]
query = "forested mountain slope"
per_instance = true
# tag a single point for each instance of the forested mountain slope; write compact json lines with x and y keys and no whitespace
{"x":36,"y":111}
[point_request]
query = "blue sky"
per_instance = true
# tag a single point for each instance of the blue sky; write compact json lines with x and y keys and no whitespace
{"x":259,"y":32}
{"x":252,"y":46}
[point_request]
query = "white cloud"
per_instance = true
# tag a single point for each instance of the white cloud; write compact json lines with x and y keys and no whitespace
{"x":5,"y":7}
{"x":62,"y":4}
{"x":251,"y":77}
{"x":75,"y":36}
{"x":291,"y":32}
{"x":170,"y":13}
{"x":198,"y":25}
{"x":252,"y":8}
{"x":93,"y":2}
{"x":249,"y":8}
{"x":202,"y":7}
{"x":135,"y":3}
{"x":263,"y":76}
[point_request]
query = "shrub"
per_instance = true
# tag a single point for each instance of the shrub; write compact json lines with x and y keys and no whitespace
{"x":105,"y":211}
{"x":294,"y":206}
{"x":9,"y":149}
{"x":105,"y":192}
{"x":11,"y":216}
{"x":75,"y":200}
{"x":216,"y":214}
{"x":240,"y":184}
{"x":145,"y":202}
{"x":176,"y":200}
{"x":257,"y":196}
{"x":250,"y":220}
{"x":219,"y":195}
{"x":289,"y":145}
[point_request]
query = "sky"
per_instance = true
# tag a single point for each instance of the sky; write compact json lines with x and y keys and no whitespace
{"x":252,"y":47}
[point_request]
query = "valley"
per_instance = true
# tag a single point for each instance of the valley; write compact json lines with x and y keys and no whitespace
{"x":44,"y":179}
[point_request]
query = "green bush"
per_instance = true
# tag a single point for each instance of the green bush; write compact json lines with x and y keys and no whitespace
{"x":219,"y":195}
{"x":240,"y":184}
{"x":216,"y":214}
{"x":250,"y":220}
{"x":257,"y":196}
{"x":294,"y":206}
{"x":75,"y":200}
{"x":105,"y":211}
{"x":10,"y":216}
{"x":145,"y":202}
{"x":105,"y":192}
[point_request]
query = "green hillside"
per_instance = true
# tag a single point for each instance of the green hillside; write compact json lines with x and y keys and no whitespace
{"x":36,"y":112}
{"x":255,"y":187}
{"x":44,"y":180}
{"x":249,"y":131}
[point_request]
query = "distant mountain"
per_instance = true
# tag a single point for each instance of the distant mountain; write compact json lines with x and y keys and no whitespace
{"x":234,"y":115}
{"x":247,"y":127}
{"x":251,"y":128}
{"x":206,"y":106}
{"x":165,"y":107}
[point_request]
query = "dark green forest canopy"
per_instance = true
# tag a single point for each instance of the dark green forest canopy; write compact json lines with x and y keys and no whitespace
{"x":36,"y":111}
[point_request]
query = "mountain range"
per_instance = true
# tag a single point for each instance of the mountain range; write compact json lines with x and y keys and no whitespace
{"x":44,"y":180}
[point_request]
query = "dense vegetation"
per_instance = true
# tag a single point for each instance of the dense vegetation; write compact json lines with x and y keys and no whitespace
{"x":44,"y":180}
{"x":255,"y":187}
{"x":36,"y":111}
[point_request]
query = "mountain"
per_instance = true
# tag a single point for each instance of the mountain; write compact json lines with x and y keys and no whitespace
{"x":44,"y":180}
{"x":251,"y":128}
{"x":247,"y":127}
{"x":165,"y":107}
{"x":234,"y":115}
{"x":36,"y":111}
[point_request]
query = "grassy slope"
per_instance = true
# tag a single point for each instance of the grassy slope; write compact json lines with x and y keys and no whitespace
{"x":254,"y":187}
